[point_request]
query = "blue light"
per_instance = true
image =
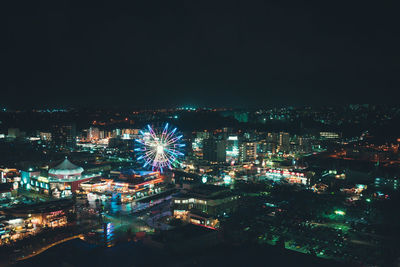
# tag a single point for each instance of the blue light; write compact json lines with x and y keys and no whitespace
{"x":159,"y":149}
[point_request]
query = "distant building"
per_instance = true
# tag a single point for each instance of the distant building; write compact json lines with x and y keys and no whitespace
{"x":64,"y":136}
{"x":232,"y":149}
{"x":284,"y":142}
{"x":214,"y":150}
{"x":304,"y":144}
{"x":94,"y":133}
{"x":44,"y":136}
{"x":386,"y":183}
{"x":14,"y":132}
{"x":329,"y":135}
{"x":247,"y":151}
{"x":273,"y":138}
{"x":203,"y":135}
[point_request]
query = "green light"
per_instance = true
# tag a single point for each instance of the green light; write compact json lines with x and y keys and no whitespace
{"x":368,"y":200}
{"x":340,"y":212}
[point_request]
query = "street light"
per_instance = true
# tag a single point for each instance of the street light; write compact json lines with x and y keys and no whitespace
{"x":340,"y":212}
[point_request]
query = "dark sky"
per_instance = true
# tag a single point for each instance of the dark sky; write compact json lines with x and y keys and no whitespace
{"x":213,"y":53}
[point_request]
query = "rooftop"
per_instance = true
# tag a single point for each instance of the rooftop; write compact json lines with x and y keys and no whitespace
{"x":66,"y":168}
{"x":43,"y":207}
{"x":207,"y":191}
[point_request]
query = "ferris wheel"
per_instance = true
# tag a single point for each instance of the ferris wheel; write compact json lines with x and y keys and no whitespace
{"x":159,"y":148}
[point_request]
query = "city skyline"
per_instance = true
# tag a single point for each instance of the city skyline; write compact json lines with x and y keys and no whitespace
{"x":199,"y":133}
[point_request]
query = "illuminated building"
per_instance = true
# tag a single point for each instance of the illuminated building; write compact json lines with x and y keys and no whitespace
{"x":204,"y":204}
{"x":8,"y":175}
{"x":93,"y":134}
{"x":66,"y":174}
{"x":247,"y":151}
{"x":45,"y":136}
{"x":186,"y":179}
{"x":232,"y":149}
{"x":34,"y":180}
{"x":66,"y":177}
{"x":137,"y":182}
{"x":61,"y":181}
{"x":128,"y":184}
{"x":203,"y":135}
{"x":6,"y":190}
{"x":66,"y":170}
{"x":197,"y":144}
{"x":305,"y":144}
{"x":291,"y":176}
{"x":387,"y":183}
{"x":20,"y":222}
{"x":284,"y":142}
{"x":329,"y":135}
{"x":94,"y":185}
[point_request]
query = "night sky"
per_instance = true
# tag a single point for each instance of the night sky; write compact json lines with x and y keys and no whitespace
{"x":202,"y":53}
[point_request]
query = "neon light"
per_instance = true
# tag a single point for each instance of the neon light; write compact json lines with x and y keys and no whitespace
{"x":159,"y":148}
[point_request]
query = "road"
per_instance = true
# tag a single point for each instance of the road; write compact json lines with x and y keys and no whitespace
{"x":41,"y":250}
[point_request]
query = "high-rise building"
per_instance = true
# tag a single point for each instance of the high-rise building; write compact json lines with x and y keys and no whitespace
{"x":273,"y":138}
{"x":263,"y":147}
{"x":248,"y":151}
{"x":232,"y":148}
{"x":64,"y":136}
{"x":284,"y":142}
{"x":94,"y":133}
{"x":214,"y":150}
